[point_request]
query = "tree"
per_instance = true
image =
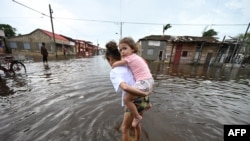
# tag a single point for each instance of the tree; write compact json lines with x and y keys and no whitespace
{"x":166,"y":27}
{"x":247,"y":38}
{"x":9,"y":31}
{"x":209,"y":33}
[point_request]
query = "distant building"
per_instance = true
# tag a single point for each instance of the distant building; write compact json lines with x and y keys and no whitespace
{"x":85,"y":48}
{"x":179,"y":49}
{"x":70,"y":49}
{"x":2,"y":40}
{"x":154,"y":47}
{"x":230,"y":52}
{"x":31,"y":43}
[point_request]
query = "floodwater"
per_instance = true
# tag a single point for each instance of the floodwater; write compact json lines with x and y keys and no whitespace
{"x":73,"y":100}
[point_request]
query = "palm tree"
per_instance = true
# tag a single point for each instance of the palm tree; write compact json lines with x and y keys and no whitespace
{"x":209,"y":33}
{"x":165,"y":27}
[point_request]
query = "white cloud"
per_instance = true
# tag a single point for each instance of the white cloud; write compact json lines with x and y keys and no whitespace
{"x":234,"y":4}
{"x":176,"y":12}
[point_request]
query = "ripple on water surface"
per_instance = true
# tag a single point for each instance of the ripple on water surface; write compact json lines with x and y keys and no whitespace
{"x":74,"y":100}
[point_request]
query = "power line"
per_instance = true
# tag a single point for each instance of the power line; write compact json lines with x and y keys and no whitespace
{"x":117,"y":22}
{"x":145,"y":23}
{"x":89,"y":20}
{"x":125,"y":22}
{"x":20,"y":17}
{"x":188,"y":24}
{"x":30,"y":8}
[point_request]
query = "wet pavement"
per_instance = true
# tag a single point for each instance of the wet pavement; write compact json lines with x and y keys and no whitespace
{"x":74,"y":100}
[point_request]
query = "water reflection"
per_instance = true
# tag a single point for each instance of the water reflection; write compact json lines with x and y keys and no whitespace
{"x":4,"y":89}
{"x":201,"y":72}
{"x":75,"y":100}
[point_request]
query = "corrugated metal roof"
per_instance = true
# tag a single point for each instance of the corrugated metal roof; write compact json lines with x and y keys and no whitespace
{"x":195,"y":39}
{"x":170,"y":38}
{"x":157,"y":37}
{"x":56,"y":35}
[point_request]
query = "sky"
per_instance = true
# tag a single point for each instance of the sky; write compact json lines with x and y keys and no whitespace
{"x":100,"y":21}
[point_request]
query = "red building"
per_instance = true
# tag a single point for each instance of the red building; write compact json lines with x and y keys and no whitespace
{"x":85,"y":48}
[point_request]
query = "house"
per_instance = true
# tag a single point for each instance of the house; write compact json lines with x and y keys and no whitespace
{"x":93,"y":49}
{"x":197,"y":50}
{"x":70,"y":49}
{"x":31,"y":43}
{"x":230,"y":52}
{"x":154,"y":47}
{"x":179,"y":49}
{"x":2,"y":39}
{"x":86,"y":48}
{"x":82,"y":48}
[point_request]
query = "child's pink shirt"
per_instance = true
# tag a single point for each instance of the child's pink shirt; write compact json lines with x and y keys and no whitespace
{"x":139,"y":67}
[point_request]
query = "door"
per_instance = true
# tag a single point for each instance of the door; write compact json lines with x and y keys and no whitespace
{"x":1,"y":46}
{"x":161,"y":57}
{"x":177,"y":54}
{"x":209,"y":56}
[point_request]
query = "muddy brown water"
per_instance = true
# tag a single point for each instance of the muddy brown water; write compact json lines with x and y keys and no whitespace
{"x":73,"y":100}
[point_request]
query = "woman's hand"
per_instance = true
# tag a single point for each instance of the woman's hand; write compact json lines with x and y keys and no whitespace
{"x":133,"y":90}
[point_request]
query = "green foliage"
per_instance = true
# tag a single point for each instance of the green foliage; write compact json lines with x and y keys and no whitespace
{"x":9,"y":31}
{"x":209,"y":33}
{"x":246,"y":42}
{"x":247,"y":38}
{"x":166,"y":27}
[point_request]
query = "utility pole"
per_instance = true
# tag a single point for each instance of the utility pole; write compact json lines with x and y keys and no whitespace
{"x":120,"y":20}
{"x":120,"y":30}
{"x":245,"y":38}
{"x":246,"y":32}
{"x":50,"y":12}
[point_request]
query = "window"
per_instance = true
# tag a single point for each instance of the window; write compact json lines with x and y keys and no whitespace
{"x":198,"y":48}
{"x":39,"y":45}
{"x":13,"y":45}
{"x":154,"y":43}
{"x":150,"y":52}
{"x":184,"y":54}
{"x":26,"y":45}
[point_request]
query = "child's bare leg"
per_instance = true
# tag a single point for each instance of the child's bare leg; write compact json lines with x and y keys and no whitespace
{"x":128,"y":100}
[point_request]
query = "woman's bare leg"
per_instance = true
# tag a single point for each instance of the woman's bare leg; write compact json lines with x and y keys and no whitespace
{"x":126,"y":125}
{"x":128,"y":100}
{"x":138,"y":130}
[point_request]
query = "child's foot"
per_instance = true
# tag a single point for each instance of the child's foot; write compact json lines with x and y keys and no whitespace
{"x":136,"y":121}
{"x":148,"y":106}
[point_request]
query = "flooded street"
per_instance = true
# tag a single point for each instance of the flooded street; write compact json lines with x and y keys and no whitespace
{"x":74,"y":100}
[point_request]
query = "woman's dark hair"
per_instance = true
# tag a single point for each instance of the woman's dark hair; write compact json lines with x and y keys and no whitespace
{"x":112,"y":51}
